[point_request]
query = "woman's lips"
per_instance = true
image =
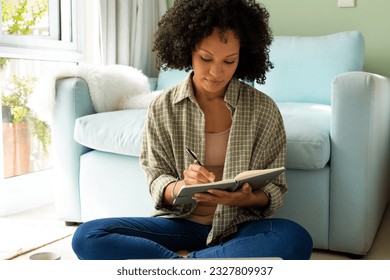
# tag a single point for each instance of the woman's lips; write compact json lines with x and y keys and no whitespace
{"x":213,"y":82}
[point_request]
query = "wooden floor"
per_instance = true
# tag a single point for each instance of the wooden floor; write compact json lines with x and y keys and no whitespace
{"x":379,"y":251}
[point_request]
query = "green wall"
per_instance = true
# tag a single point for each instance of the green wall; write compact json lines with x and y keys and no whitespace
{"x":170,"y":3}
{"x":320,"y":17}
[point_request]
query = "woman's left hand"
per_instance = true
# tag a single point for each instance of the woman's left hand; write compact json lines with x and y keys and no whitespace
{"x":243,"y":197}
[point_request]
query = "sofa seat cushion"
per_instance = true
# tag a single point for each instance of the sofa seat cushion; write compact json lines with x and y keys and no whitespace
{"x":307,"y":130}
{"x":115,"y":132}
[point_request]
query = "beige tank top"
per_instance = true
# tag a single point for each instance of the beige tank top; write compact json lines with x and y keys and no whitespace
{"x":215,"y":153}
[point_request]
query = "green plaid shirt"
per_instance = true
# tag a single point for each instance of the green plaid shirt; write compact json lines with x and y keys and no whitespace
{"x":257,"y":141}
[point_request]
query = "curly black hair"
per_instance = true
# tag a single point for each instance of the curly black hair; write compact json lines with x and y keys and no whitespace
{"x":188,"y":22}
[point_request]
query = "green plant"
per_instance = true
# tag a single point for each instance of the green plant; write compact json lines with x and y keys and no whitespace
{"x":15,"y":97}
{"x":19,"y":17}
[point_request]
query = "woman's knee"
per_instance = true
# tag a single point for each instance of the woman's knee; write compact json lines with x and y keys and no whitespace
{"x":78,"y":241}
{"x":284,"y":238}
{"x":83,"y":239}
{"x":298,"y":238}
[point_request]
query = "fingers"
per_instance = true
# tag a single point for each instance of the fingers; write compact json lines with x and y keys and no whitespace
{"x":237,"y":198}
{"x":196,"y":174}
{"x":246,"y":188}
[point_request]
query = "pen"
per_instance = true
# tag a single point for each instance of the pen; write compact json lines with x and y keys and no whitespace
{"x":193,"y":156}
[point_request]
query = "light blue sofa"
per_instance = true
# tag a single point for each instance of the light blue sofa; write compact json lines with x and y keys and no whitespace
{"x":337,"y":120}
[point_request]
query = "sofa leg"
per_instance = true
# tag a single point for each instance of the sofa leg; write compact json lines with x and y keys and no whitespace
{"x":354,"y":256}
{"x":72,"y":224}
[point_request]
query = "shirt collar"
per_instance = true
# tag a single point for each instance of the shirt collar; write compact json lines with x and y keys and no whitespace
{"x":185,"y":90}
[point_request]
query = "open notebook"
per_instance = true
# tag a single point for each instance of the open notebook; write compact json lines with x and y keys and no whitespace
{"x":256,"y":178}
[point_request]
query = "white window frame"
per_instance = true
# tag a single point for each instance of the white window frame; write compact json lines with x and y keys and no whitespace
{"x":16,"y":192}
{"x":66,"y":48}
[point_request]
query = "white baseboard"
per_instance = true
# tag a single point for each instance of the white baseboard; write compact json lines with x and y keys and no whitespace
{"x":26,"y":192}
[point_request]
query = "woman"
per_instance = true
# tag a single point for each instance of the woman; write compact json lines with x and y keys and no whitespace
{"x":229,"y":124}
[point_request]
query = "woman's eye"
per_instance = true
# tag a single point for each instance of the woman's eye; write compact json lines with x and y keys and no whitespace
{"x":205,"y":59}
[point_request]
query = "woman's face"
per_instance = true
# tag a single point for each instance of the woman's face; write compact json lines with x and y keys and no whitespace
{"x":214,"y":62}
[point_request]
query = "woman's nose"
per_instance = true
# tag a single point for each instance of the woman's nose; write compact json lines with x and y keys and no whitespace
{"x":216,"y":70}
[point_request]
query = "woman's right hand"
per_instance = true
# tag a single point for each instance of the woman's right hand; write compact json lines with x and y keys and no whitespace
{"x":196,"y":174}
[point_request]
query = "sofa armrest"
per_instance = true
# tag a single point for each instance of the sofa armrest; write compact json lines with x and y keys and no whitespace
{"x":360,"y":136}
{"x":72,"y":101}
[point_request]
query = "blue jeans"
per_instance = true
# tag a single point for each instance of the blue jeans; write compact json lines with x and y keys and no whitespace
{"x":155,"y":238}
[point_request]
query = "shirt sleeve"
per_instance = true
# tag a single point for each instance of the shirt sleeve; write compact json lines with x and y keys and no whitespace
{"x":273,"y":155}
{"x":158,"y":167}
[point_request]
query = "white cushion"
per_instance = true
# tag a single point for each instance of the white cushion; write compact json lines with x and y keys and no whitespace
{"x":115,"y":132}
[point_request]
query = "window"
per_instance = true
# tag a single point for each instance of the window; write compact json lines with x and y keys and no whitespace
{"x":36,"y":36}
{"x":39,"y":29}
{"x":26,"y":18}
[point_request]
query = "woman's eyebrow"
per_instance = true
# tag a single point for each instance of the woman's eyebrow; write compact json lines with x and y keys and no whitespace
{"x":233,"y":54}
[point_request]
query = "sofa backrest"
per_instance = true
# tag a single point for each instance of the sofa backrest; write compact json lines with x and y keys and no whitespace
{"x":304,"y":67}
{"x":169,"y":78}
